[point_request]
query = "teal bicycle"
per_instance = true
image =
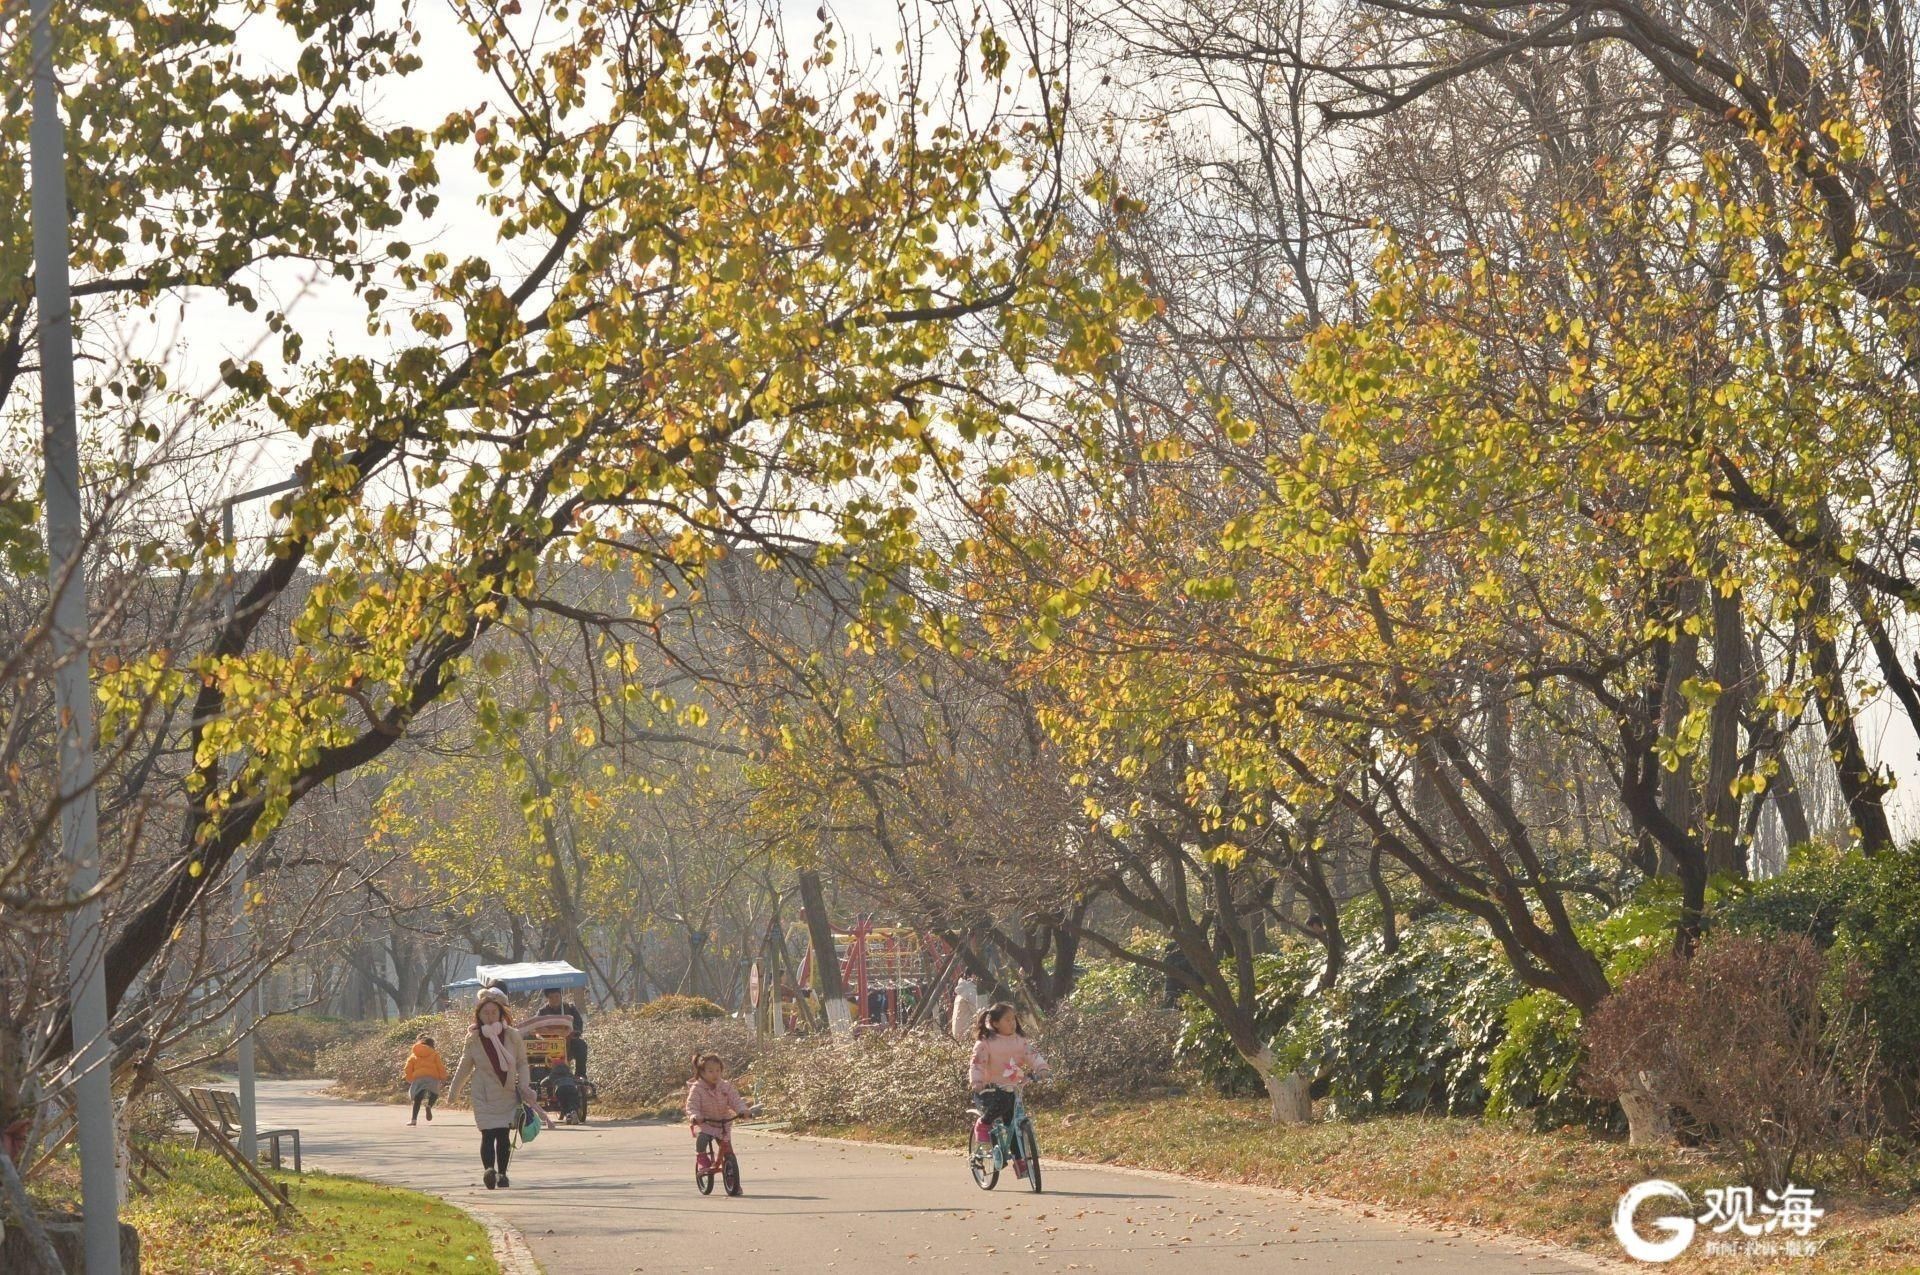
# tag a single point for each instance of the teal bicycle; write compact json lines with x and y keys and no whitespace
{"x":1009,"y":1140}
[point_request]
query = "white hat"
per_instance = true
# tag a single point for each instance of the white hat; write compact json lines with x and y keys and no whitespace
{"x":493,"y":994}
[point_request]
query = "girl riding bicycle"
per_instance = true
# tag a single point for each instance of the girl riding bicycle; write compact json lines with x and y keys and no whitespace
{"x":712,"y":1101}
{"x":1003,"y":1061}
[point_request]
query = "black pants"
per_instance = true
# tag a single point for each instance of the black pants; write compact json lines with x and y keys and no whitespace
{"x":577,"y":1055}
{"x":994,"y":1104}
{"x":568,"y":1096}
{"x":495,"y":1148}
{"x":427,"y":1096}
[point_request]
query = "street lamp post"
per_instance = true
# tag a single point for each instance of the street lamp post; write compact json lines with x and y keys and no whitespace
{"x":246,"y":1008}
{"x":73,"y":679}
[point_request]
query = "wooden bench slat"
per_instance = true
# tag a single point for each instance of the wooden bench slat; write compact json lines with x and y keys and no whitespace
{"x":222,"y":1107}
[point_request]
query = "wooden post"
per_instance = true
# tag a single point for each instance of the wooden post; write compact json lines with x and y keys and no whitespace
{"x":271,"y":1193}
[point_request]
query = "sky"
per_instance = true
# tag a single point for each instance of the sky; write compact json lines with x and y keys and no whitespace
{"x":195,"y":336}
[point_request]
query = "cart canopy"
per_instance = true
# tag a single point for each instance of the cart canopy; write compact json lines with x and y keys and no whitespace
{"x":527,"y":976}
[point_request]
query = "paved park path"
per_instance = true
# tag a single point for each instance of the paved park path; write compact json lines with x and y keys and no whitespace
{"x":613,"y":1198}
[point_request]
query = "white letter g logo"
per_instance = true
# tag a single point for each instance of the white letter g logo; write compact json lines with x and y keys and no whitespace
{"x":1679,"y":1230}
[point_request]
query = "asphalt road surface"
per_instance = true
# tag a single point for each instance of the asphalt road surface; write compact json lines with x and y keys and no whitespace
{"x":614,"y":1198}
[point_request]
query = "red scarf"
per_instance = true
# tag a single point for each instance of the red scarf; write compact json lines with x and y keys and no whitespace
{"x":493,"y":1055}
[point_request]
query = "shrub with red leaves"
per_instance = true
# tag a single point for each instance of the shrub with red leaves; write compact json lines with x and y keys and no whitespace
{"x":1756,"y":1042}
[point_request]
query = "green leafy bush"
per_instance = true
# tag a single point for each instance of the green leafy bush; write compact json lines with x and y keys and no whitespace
{"x":1632,"y":936}
{"x":1533,"y":1074}
{"x":674,"y":1005}
{"x":1112,"y":986}
{"x":1638,"y":932}
{"x":1280,"y":980}
{"x":1411,"y":1030}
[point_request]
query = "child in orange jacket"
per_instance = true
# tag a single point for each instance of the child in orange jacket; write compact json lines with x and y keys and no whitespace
{"x":426,"y":1071}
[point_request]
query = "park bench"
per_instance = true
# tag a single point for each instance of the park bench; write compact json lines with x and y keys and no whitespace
{"x":222,"y":1107}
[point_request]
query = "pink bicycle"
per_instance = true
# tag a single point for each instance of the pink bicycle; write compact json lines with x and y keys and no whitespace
{"x":713,"y":1157}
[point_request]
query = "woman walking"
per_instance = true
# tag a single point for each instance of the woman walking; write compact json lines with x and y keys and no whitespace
{"x":496,"y":1058}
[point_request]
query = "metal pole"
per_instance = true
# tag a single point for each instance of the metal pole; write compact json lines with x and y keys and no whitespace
{"x":243,"y":1008}
{"x":246,"y":1010}
{"x":73,"y":682}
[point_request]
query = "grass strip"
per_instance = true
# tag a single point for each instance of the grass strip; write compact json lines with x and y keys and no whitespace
{"x":202,"y":1221}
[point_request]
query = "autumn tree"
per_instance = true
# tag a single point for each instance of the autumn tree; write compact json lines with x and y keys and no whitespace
{"x":1812,"y":114}
{"x":722,"y":283}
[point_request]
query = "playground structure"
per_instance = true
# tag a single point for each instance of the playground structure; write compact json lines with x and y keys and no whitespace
{"x":892,"y":974}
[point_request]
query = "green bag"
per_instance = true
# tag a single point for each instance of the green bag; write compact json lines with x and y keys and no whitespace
{"x":526,"y":1118}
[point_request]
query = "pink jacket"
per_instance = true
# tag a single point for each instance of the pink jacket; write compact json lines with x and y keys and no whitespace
{"x":709,"y":1105}
{"x":1006,"y":1061}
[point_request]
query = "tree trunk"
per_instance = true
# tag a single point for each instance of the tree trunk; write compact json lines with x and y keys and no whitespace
{"x":1289,"y":1097}
{"x":1066,"y":949}
{"x":559,"y":886}
{"x":1648,"y":1123}
{"x":1786,"y":798}
{"x":1310,"y":875}
{"x":405,"y":976}
{"x":1676,"y":786}
{"x":1862,"y":788}
{"x":123,"y":1151}
{"x":1500,"y":739}
{"x":1892,"y":671}
{"x":1429,"y":809}
{"x":1725,"y":854}
{"x":28,"y":1216}
{"x":1783,"y":788}
{"x":1257,"y":912}
{"x":1644,"y":791}
{"x":826,"y":961}
{"x":1389,"y":925}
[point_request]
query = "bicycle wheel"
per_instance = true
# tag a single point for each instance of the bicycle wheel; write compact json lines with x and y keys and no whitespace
{"x":703,"y":1180}
{"x":731,"y":1174}
{"x":980,"y":1161}
{"x":1030,"y":1148}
